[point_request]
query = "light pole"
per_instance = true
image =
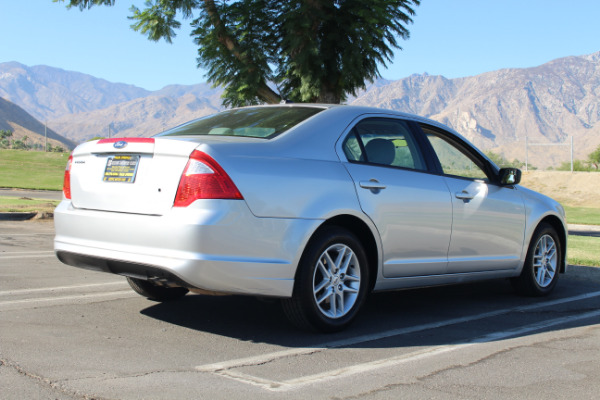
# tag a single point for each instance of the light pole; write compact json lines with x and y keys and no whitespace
{"x":526,"y":152}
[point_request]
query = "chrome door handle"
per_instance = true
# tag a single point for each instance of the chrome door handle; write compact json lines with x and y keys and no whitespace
{"x":464,"y":195}
{"x":373,"y":184}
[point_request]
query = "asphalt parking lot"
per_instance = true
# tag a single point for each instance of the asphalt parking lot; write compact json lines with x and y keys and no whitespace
{"x":67,"y":333}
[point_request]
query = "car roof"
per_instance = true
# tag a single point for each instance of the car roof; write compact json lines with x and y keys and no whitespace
{"x":361,"y":110}
{"x":353,"y":112}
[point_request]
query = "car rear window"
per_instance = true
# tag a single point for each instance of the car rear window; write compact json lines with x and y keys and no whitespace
{"x":254,"y":122}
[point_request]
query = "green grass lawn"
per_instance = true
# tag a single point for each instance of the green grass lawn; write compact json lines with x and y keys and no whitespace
{"x":32,"y":169}
{"x":584,"y":250}
{"x":24,"y":204}
{"x":582,"y":215}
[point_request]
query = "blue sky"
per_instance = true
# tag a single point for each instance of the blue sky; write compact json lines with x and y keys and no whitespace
{"x":454,"y":38}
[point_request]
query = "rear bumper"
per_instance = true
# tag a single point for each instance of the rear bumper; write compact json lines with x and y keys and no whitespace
{"x":216,"y":245}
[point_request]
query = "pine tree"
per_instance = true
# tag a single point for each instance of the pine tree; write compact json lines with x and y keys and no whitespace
{"x":265,"y":51}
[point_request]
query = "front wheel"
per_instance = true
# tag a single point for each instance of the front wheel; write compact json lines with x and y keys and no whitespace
{"x":542,"y":265}
{"x":331,"y":282}
{"x":156,"y":292}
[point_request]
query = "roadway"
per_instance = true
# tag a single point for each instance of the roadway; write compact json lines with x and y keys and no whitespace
{"x":67,"y":333}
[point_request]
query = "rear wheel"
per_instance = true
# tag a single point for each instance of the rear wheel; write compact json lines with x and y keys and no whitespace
{"x":154,"y":291}
{"x":331,"y":283}
{"x":542,"y":265}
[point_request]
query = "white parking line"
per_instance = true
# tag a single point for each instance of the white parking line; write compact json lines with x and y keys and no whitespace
{"x":225,"y":368}
{"x":25,"y":254}
{"x":44,"y":301}
{"x":62,"y":298}
{"x":62,"y":288}
{"x":404,"y":358}
{"x":264,"y":358}
{"x":27,"y":234}
{"x":65,"y":298}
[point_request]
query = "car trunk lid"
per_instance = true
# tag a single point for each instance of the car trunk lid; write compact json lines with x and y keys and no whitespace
{"x":129,"y":175}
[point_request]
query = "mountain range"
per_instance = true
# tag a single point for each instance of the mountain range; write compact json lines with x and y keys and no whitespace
{"x":499,"y":111}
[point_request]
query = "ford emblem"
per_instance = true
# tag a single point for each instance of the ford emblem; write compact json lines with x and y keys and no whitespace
{"x":120,"y":144}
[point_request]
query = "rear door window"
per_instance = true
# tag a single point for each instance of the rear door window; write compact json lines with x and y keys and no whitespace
{"x":384,"y":141}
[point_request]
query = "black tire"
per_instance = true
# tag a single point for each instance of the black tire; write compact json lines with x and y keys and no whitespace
{"x":542,"y":265}
{"x":318,"y":278}
{"x":156,"y":292}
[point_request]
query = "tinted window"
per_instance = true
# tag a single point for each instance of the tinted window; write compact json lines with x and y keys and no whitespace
{"x":454,"y":160}
{"x":257,"y":122}
{"x":383,"y":141}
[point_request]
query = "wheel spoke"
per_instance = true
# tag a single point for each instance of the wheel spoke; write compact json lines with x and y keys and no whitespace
{"x":339,"y":260}
{"x":327,"y":294}
{"x":543,"y":245}
{"x":540,"y":276}
{"x":321,"y":285}
{"x":333,"y":303}
{"x":331,"y":264}
{"x":326,"y":273}
{"x":350,"y":289}
{"x":346,"y":263}
{"x":340,"y":305}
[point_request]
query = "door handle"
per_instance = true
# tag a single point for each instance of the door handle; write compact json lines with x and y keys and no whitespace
{"x":372,"y":184}
{"x":464,"y":195}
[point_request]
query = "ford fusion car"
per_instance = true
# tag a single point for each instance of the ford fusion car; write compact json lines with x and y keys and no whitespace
{"x":317,"y":205}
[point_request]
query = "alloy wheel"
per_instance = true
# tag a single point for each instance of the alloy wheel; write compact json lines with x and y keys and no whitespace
{"x":336,"y":281}
{"x":545,"y":260}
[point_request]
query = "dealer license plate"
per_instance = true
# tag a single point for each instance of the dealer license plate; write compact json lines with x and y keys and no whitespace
{"x":121,"y":168}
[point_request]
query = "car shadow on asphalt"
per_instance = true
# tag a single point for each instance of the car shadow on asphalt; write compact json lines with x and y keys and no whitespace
{"x":254,"y":320}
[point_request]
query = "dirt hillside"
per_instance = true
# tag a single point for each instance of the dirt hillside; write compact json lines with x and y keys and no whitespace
{"x":571,"y":188}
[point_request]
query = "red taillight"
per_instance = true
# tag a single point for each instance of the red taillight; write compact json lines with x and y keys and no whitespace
{"x":67,"y":180}
{"x":203,"y":178}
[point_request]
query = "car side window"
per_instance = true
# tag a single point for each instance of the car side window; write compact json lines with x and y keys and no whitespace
{"x":453,"y":160}
{"x":383,"y":141}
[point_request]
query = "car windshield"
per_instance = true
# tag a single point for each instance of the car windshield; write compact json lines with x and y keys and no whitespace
{"x":254,"y":122}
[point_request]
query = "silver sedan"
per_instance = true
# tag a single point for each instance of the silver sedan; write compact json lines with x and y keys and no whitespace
{"x":317,"y":205}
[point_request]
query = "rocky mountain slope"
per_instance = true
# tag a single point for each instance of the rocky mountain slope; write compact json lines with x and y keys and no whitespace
{"x":14,"y":118}
{"x":144,"y":116}
{"x":48,"y":93}
{"x":499,"y":111}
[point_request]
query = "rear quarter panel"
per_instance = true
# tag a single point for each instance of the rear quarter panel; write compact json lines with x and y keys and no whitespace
{"x":295,"y":175}
{"x":293,"y":188}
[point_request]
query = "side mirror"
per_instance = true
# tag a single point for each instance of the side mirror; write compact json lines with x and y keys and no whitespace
{"x":509,"y":176}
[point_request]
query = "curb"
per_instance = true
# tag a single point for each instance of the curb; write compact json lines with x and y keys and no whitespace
{"x":589,"y":228}
{"x":584,"y":230}
{"x":19,"y":216}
